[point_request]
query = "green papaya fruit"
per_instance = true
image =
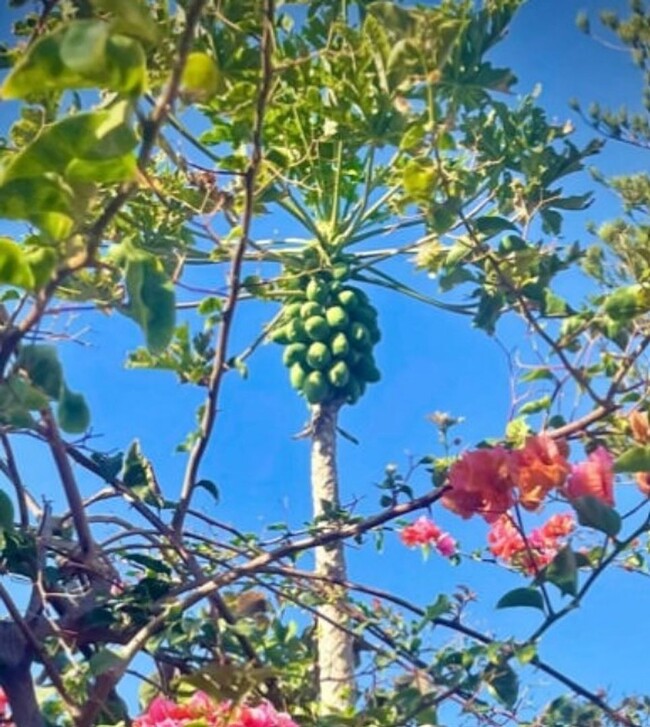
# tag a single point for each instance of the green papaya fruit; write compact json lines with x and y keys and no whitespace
{"x":339,"y":374}
{"x":296,"y":331}
{"x":354,"y":390}
{"x":279,"y":334}
{"x":294,"y":353}
{"x":367,"y":370}
{"x":315,"y":387}
{"x":337,"y":318}
{"x":348,"y":299}
{"x":310,"y":309}
{"x":317,"y":291}
{"x":340,"y":271}
{"x":297,"y":376}
{"x":318,"y":355}
{"x":340,"y":345}
{"x":365,"y":314}
{"x":292,"y":311}
{"x":317,"y":329}
{"x":360,"y":336}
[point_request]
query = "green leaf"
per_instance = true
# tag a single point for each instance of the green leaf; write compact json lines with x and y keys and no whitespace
{"x":83,"y":46}
{"x":210,"y":487}
{"x":522,"y":597}
{"x":200,"y":79}
{"x":140,"y":477}
{"x":594,"y":513}
{"x":154,"y":564}
{"x":73,"y":413}
{"x":45,"y":201}
{"x":109,"y":465}
{"x":491,"y":226}
{"x":502,"y":681}
{"x":130,"y":17}
{"x":534,"y":407}
{"x":6,"y":512}
{"x":104,"y":660}
{"x":58,"y":61}
{"x":635,"y":459}
{"x":77,"y":145}
{"x":152,"y":303}
{"x":42,"y":365}
{"x":14,"y":269}
{"x":563,"y":572}
{"x":537,"y":374}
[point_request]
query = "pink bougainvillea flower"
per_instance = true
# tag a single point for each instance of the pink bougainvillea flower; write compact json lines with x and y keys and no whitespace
{"x":200,"y":709}
{"x":480,"y":483}
{"x":593,"y":477}
{"x":264,"y":715}
{"x":421,"y":532}
{"x":426,"y":533}
{"x":446,"y":545}
{"x":534,"y":552}
{"x":539,"y":467}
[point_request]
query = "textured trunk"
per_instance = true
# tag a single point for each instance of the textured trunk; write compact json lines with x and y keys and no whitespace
{"x":335,"y":655}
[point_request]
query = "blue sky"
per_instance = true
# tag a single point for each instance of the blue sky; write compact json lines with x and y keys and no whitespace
{"x":430,"y":361}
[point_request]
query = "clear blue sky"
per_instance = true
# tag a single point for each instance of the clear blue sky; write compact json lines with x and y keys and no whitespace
{"x":430,"y":361}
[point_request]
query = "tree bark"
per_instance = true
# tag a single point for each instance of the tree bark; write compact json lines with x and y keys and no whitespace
{"x":335,"y":645}
{"x":16,"y":678}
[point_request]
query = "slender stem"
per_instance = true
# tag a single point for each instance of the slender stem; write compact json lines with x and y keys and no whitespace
{"x":209,"y":416}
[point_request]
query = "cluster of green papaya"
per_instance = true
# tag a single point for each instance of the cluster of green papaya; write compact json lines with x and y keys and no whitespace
{"x":328,"y":329}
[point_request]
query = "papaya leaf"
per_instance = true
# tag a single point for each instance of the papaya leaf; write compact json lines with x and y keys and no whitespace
{"x":594,"y":513}
{"x":524,"y":597}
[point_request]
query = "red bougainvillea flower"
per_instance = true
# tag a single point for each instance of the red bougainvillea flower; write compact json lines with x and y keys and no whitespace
{"x":534,"y":552}
{"x":264,"y":715}
{"x":4,"y":710}
{"x":421,"y":532}
{"x":538,"y":468}
{"x":200,"y":710}
{"x":593,"y":477}
{"x":427,"y":533}
{"x":480,"y":483}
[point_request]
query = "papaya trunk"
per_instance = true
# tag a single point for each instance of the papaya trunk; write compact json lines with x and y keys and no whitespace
{"x":335,"y":654}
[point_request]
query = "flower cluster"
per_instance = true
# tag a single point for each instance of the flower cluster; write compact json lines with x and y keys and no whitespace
{"x":424,"y":532}
{"x":201,"y":711}
{"x":640,"y":427}
{"x":490,"y":481}
{"x":4,"y":710}
{"x":536,"y":550}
